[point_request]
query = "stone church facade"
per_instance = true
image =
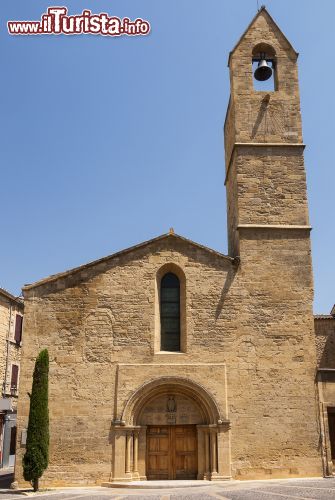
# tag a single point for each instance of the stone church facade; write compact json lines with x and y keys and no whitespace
{"x":170,"y":360}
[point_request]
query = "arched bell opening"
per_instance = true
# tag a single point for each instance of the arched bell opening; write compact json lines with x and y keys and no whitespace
{"x":264,"y":68}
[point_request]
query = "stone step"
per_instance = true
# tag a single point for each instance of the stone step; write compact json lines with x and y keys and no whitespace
{"x":162,"y":484}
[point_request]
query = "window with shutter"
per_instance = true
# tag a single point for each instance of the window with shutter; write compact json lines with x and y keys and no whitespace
{"x":14,"y":377}
{"x":170,"y":313}
{"x":18,"y":328}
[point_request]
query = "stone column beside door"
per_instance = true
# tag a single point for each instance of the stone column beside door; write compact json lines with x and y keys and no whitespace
{"x":214,"y":458}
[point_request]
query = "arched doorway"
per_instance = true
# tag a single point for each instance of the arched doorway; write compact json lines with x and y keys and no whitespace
{"x":172,"y":429}
{"x":171,"y":420}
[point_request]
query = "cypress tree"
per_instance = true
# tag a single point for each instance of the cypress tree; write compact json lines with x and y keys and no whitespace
{"x":35,"y":460}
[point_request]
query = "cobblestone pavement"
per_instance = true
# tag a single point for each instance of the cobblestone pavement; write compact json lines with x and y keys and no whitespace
{"x":302,"y":489}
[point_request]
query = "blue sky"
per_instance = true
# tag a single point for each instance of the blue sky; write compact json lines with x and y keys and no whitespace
{"x":106,"y":142}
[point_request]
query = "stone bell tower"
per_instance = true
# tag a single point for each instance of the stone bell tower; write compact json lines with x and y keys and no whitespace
{"x":268,"y":227}
{"x":265,"y":175}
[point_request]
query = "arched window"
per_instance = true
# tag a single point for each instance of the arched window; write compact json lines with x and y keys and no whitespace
{"x":170,"y":313}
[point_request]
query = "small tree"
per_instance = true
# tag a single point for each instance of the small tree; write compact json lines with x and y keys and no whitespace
{"x":36,"y":458}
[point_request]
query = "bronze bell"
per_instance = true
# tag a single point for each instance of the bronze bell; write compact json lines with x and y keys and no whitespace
{"x":263,"y":71}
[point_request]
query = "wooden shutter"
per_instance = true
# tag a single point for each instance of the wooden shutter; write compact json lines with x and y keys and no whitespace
{"x":15,"y":375}
{"x":18,"y":328}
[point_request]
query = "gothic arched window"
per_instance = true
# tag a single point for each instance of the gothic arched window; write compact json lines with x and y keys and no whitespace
{"x":170,"y":312}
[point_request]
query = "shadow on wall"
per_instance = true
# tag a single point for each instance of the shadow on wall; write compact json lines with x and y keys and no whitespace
{"x":327,"y":359}
{"x":228,"y":283}
{"x":261,"y":113}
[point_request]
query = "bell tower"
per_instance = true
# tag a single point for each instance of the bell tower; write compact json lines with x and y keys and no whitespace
{"x":268,"y":228}
{"x":265,"y":175}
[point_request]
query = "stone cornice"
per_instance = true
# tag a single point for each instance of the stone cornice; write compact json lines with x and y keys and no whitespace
{"x":274,"y":226}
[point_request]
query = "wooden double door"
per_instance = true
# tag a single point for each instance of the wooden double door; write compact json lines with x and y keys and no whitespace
{"x":172,"y":452}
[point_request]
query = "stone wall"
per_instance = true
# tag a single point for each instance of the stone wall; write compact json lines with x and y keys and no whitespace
{"x":325,"y":341}
{"x":271,"y":185}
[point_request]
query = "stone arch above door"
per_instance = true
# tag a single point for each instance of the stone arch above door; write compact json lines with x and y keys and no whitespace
{"x":203,"y":408}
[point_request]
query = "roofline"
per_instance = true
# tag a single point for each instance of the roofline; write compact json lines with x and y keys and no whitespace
{"x":263,"y":8}
{"x":324,"y":316}
{"x":8,"y":295}
{"x":55,"y":277}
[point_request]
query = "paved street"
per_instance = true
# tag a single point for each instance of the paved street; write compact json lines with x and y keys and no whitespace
{"x":248,"y":490}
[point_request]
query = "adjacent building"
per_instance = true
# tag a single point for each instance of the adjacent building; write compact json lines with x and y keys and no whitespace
{"x":325,"y":348}
{"x":11,"y":317}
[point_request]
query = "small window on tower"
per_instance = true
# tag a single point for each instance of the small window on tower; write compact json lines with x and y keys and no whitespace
{"x":264,"y":68}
